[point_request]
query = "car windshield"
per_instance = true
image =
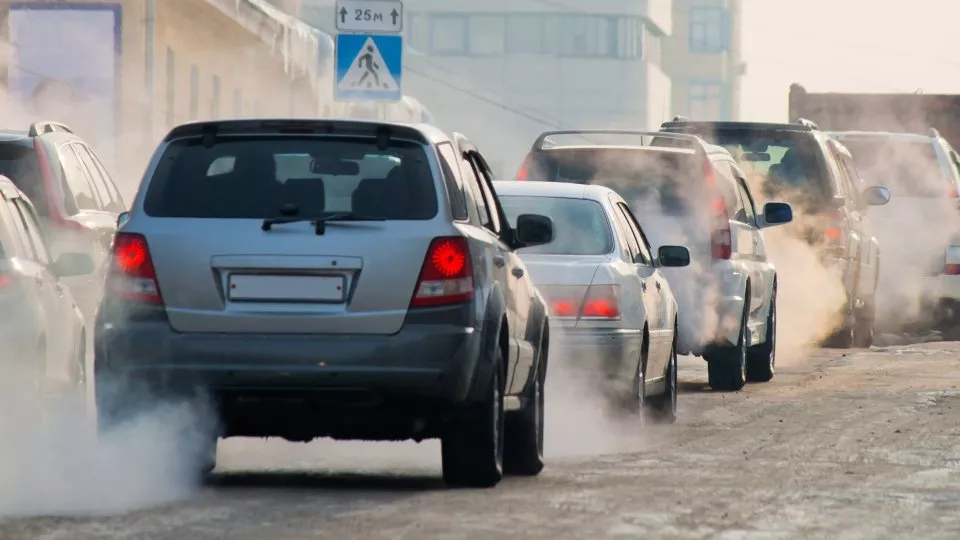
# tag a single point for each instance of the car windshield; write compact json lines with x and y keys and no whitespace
{"x":256,"y":177}
{"x":669,"y":179}
{"x":908,"y":168}
{"x":580,"y":225}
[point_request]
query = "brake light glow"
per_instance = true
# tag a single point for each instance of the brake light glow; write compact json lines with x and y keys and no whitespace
{"x":132,"y":275}
{"x":593,"y":302}
{"x":447,"y":274}
{"x":834,"y":229}
{"x":952,"y":270}
{"x":5,"y":281}
{"x":952,"y":192}
{"x":721,"y":241}
{"x":524,"y":170}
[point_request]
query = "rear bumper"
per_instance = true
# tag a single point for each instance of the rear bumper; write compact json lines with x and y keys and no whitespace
{"x":606,"y":355}
{"x":710,"y":307}
{"x":419,"y":363}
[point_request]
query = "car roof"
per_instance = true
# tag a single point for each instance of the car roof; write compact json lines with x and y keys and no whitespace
{"x":565,"y":190}
{"x":896,"y":135}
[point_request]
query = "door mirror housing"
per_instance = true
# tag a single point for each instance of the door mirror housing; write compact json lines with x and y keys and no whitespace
{"x":73,"y":264}
{"x":533,"y":230}
{"x":775,"y":213}
{"x":673,"y":256}
{"x":876,"y":196}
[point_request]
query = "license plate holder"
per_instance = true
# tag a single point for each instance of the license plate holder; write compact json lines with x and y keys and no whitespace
{"x":286,"y":288}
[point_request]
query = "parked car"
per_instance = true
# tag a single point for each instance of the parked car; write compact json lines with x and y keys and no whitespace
{"x":801,"y":164}
{"x":685,"y":191}
{"x":75,"y":197}
{"x":920,"y":282}
{"x":42,"y":332}
{"x":612,"y":312}
{"x":401,"y":313}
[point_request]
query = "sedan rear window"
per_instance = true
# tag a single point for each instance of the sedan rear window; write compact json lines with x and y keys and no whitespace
{"x":256,"y":177}
{"x":580,"y":225}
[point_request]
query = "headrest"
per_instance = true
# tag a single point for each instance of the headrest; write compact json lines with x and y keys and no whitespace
{"x":309,"y":194}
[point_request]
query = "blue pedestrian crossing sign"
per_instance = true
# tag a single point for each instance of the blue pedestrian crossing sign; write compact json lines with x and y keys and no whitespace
{"x":369,"y":67}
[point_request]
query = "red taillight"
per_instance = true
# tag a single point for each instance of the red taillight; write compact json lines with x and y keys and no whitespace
{"x":834,"y":229}
{"x":721,"y":243}
{"x":524,"y":169}
{"x":132,"y":276}
{"x":952,"y":192}
{"x":601,"y":302}
{"x":447,"y":274}
{"x":952,"y":269}
{"x":5,"y":281}
{"x":593,"y":302}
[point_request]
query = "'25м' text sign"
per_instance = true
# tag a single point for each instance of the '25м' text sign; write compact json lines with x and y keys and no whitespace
{"x":370,"y":16}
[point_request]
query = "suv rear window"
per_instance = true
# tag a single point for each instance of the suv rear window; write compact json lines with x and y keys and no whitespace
{"x":908,"y":168}
{"x":254,"y":177}
{"x":777,"y":161}
{"x":19,"y":163}
{"x":670,"y":179}
{"x":580,"y":225}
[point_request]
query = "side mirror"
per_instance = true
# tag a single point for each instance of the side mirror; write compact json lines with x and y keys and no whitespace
{"x":775,"y":213}
{"x":533,"y":230}
{"x":122,"y":218}
{"x":673,"y":256}
{"x":876,"y":196}
{"x":73,"y":264}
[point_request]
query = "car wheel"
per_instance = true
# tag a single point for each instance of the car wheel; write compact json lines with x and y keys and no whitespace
{"x":523,"y":433}
{"x":663,"y":408}
{"x":864,"y":325}
{"x":762,"y":358}
{"x":727,"y":366}
{"x":472,"y":447}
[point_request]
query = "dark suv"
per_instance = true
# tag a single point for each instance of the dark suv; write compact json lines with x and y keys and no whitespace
{"x":72,"y":191}
{"x":799,"y":163}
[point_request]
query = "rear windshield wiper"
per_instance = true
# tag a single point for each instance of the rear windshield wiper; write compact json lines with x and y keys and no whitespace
{"x":319,"y":222}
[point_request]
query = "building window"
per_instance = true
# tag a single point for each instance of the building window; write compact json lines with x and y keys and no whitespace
{"x":418,"y":31}
{"x":525,"y":34}
{"x":487,"y":34}
{"x":171,"y":87}
{"x":215,"y":99}
{"x":448,"y":34}
{"x":706,"y":101}
{"x":708,"y":30}
{"x":652,"y":47}
{"x":586,"y":35}
{"x":194,"y":91}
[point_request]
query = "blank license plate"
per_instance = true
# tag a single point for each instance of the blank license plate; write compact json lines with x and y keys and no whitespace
{"x":289,"y":288}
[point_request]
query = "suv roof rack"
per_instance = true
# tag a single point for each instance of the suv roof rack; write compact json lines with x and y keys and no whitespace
{"x":808,"y":123}
{"x":934,"y":133}
{"x":47,"y":126}
{"x":693,"y":139}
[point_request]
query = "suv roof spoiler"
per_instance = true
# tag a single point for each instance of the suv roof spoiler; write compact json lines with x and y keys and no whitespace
{"x":808,"y":123}
{"x":382,"y":131}
{"x":695,"y":141}
{"x":47,"y":126}
{"x":934,"y":133}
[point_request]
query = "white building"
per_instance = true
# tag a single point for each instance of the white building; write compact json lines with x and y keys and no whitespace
{"x":502,"y":71}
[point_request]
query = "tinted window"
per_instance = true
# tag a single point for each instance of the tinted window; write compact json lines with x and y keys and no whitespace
{"x":451,"y":173}
{"x":580,"y":225}
{"x":642,"y":245}
{"x":476,"y":193}
{"x":908,"y":168}
{"x":255,"y":177}
{"x":483,"y":175}
{"x":93,"y":173}
{"x":19,"y":164}
{"x":670,"y":180}
{"x":34,"y":233}
{"x":747,"y":213}
{"x":77,"y":181}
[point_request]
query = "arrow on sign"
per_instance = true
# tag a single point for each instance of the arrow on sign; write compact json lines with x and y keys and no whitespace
{"x":394,"y":14}
{"x":343,"y":15}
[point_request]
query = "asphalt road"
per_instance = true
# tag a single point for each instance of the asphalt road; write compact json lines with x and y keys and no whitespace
{"x":843,"y":444}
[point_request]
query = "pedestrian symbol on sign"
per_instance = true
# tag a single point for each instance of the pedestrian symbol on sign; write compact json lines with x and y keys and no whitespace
{"x":369,"y":71}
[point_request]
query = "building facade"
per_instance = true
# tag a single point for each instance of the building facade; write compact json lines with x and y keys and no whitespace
{"x":132,"y":69}
{"x":502,"y":71}
{"x":704,"y":59}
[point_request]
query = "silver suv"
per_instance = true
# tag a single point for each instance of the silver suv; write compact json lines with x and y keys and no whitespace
{"x":316,"y":278}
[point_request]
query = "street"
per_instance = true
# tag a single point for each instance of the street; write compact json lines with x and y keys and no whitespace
{"x":842,"y":444}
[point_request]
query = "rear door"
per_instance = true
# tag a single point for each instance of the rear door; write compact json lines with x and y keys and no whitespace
{"x":755,"y":251}
{"x":218,"y":270}
{"x":860,"y":240}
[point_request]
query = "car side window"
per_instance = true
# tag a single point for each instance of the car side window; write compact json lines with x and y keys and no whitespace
{"x":483,"y":175}
{"x":108,"y":179}
{"x":749,"y":215}
{"x":79,"y":185}
{"x":837,"y":173}
{"x":854,"y":182}
{"x":32,"y":227}
{"x":453,"y":180}
{"x":19,"y":233}
{"x":643,"y":246}
{"x":633,"y":243}
{"x":473,"y":184}
{"x":97,"y":179}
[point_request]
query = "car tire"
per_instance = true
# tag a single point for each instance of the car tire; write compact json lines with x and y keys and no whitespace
{"x":472,"y":446}
{"x":864,"y":326}
{"x":523,"y":431}
{"x":762,"y":358}
{"x":727,"y":366}
{"x":662,"y":409}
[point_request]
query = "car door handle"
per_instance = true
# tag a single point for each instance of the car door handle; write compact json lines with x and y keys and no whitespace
{"x":499,"y":261}
{"x":643,"y":285}
{"x":659,"y":287}
{"x":517,"y":272}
